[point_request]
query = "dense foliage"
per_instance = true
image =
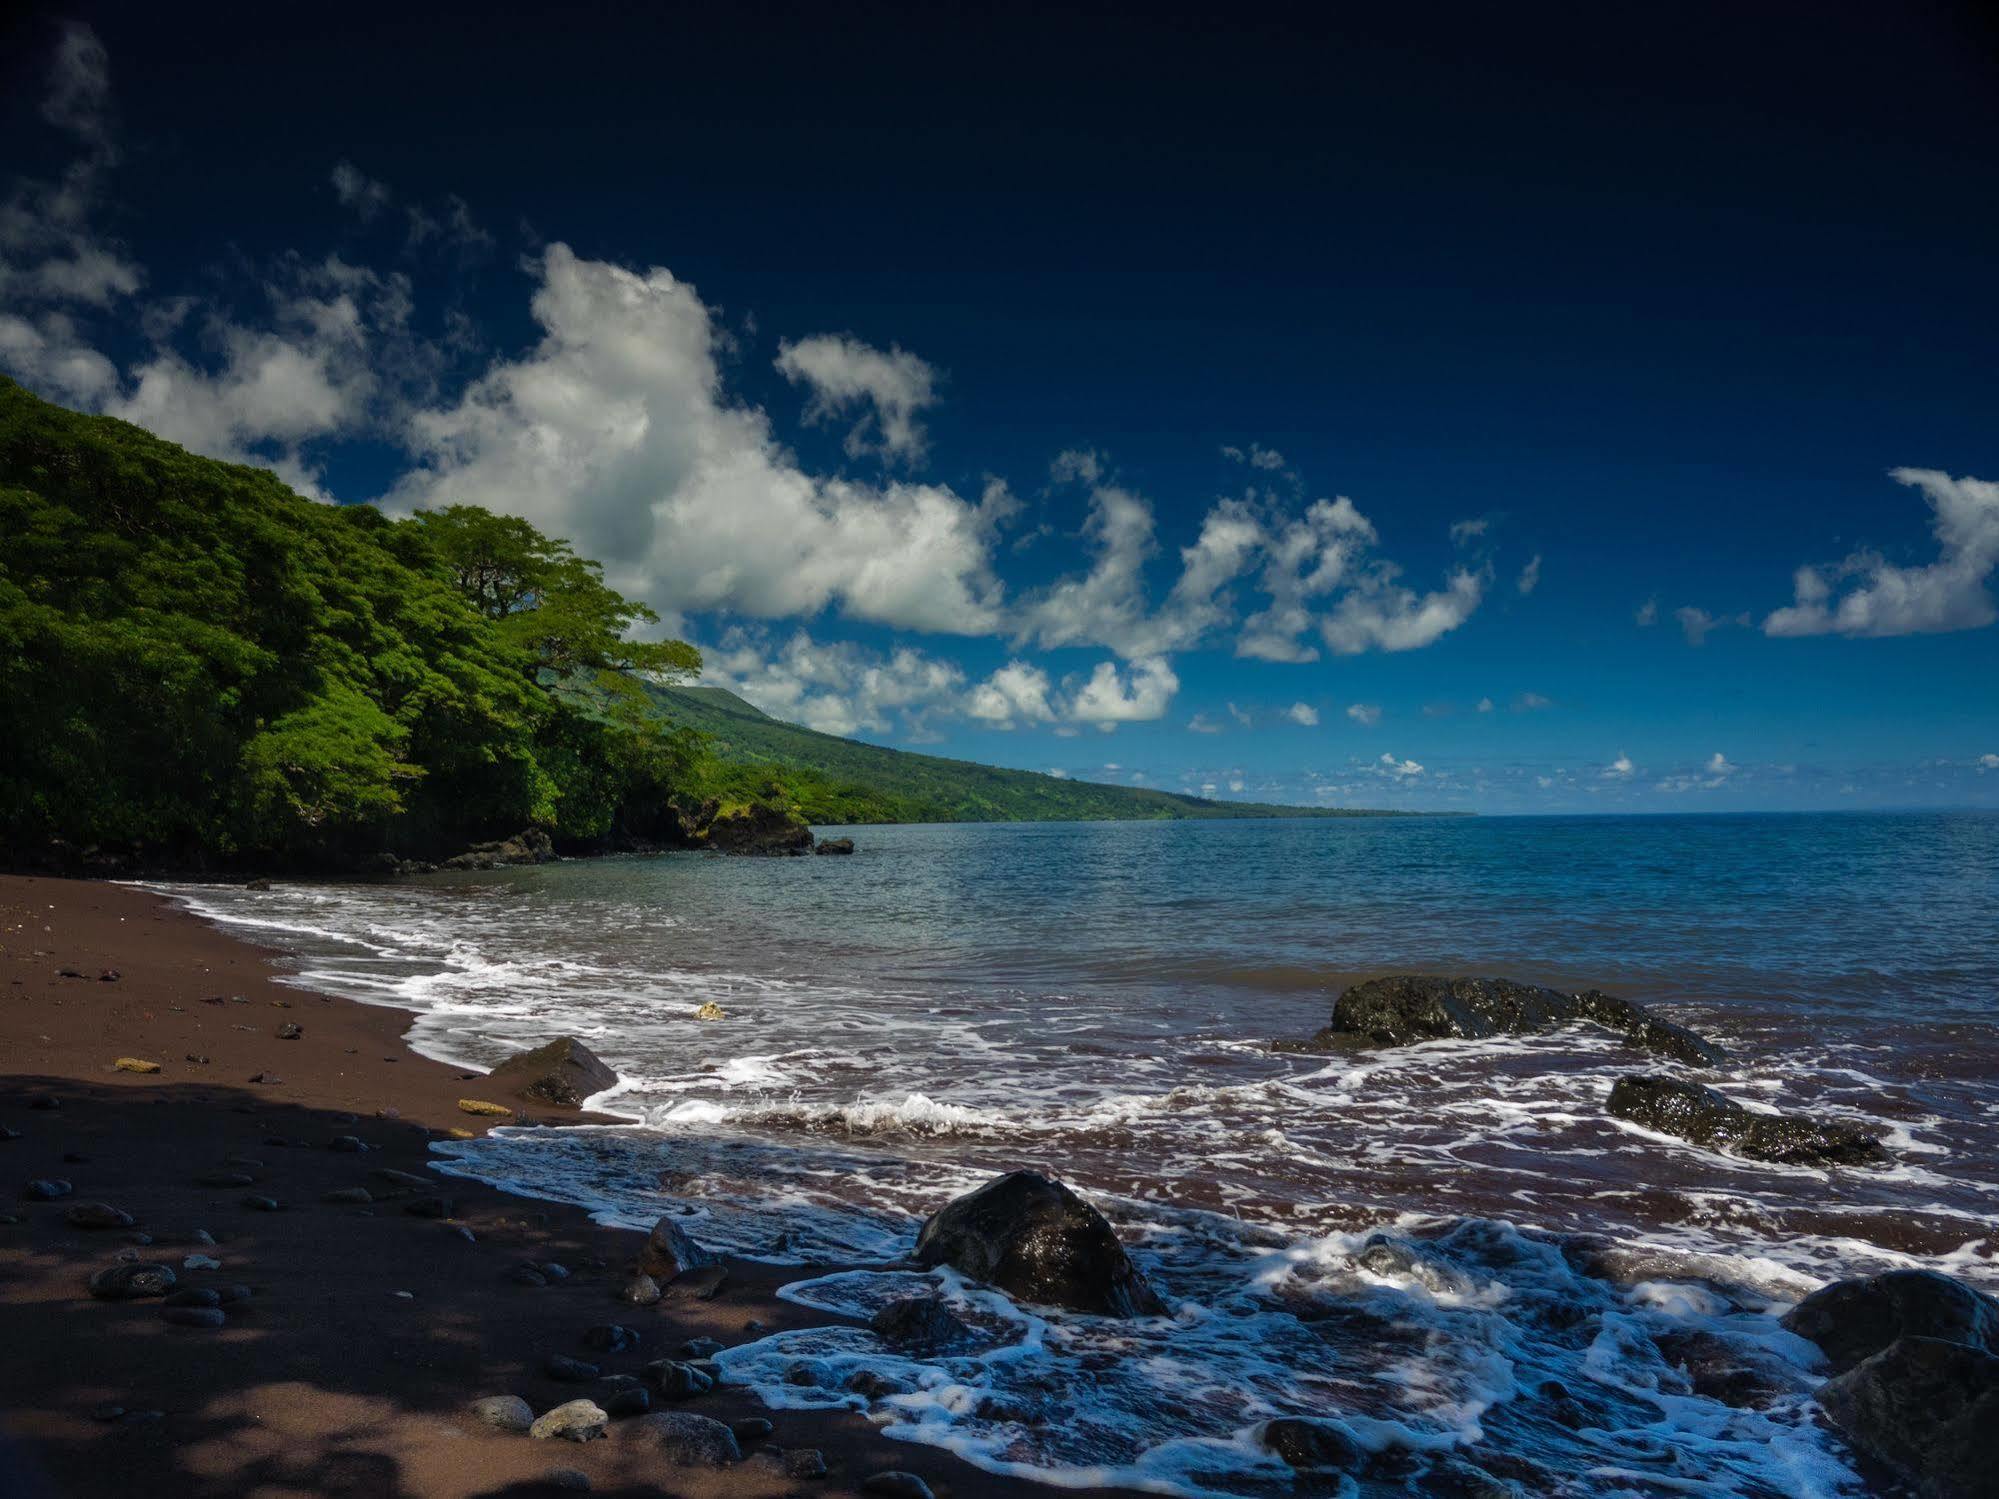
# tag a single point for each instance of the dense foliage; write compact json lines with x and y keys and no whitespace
{"x":197,"y":662}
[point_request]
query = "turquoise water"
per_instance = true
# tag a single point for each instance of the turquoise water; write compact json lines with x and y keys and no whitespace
{"x":1095,"y":1000}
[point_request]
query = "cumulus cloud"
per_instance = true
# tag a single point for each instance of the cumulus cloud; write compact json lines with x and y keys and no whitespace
{"x":1400,"y":769}
{"x":1988,"y":762}
{"x":881,"y":392}
{"x":1304,"y":714}
{"x":1530,"y":575}
{"x":836,"y":687}
{"x":615,"y":431}
{"x":1485,"y":705}
{"x":1016,"y":693}
{"x":1464,"y":532}
{"x":1200,"y":723}
{"x":1620,"y":769}
{"x":1697,"y":624}
{"x":358,"y":191}
{"x":1866,"y":595}
{"x":1713,"y":773}
{"x":1380,"y":614}
{"x":1365,"y":714}
{"x":1139,"y":694}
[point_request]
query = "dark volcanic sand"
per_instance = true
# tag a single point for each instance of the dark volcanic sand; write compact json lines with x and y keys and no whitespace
{"x":328,"y":1383}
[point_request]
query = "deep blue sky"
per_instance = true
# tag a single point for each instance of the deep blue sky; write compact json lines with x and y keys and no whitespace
{"x":1660,"y":296}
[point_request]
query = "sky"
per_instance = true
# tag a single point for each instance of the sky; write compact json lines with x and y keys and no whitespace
{"x":1507,"y":409}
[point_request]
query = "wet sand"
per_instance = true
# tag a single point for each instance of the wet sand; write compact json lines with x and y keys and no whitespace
{"x":369,"y":1330}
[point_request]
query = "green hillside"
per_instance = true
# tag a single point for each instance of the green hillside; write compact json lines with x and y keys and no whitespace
{"x":838,"y":780}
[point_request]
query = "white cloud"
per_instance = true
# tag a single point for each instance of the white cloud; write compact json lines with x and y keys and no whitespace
{"x":615,"y":432}
{"x":1464,"y":531}
{"x":1239,"y":715}
{"x":1715,"y":772}
{"x":849,"y":378}
{"x":1718,"y":765}
{"x":1531,"y":702}
{"x":1058,"y":773}
{"x":358,"y":191}
{"x":1485,"y":705}
{"x":1111,"y":697}
{"x":1381,"y":614}
{"x":1988,"y":762}
{"x":1303,"y":713}
{"x":1530,"y":575}
{"x":1258,"y":456}
{"x":1620,"y":769}
{"x":1016,"y":692}
{"x":1884,"y":599}
{"x":1647,"y":614}
{"x":1365,"y":714}
{"x":1400,"y":769}
{"x":1200,"y":723}
{"x":836,"y":687}
{"x":1697,"y":623}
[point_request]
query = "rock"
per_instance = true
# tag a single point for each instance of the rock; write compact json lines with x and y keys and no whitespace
{"x":575,"y":1421}
{"x":709,"y":1010}
{"x":687,"y":1439}
{"x":751,"y":1429}
{"x":677,"y":1380}
{"x":628,"y":1401}
{"x":46,"y":1189}
{"x":920,"y":1324}
{"x":131,"y":1282}
{"x":346,"y":1144}
{"x":109,"y":1411}
{"x":561,"y":1074}
{"x":97,"y":1215}
{"x":569,"y":1370}
{"x":896,"y":1484}
{"x":195,"y":1296}
{"x":758,"y":828}
{"x":834,"y":846}
{"x":698,"y":1285}
{"x":802,"y":1462}
{"x":532,"y":846}
{"x":669,"y":1252}
{"x":527,"y":1275}
{"x":428,"y":1207}
{"x":135,"y":1064}
{"x":201,"y":1262}
{"x":1852,"y":1320}
{"x":1691,"y":1112}
{"x":1720,"y":1370}
{"x":349,"y":1197}
{"x":407,"y":1181}
{"x":1407,"y":1008}
{"x":610,"y":1338}
{"x":290,"y":1031}
{"x":1035,"y":1239}
{"x":502,"y":1412}
{"x":231,"y":1295}
{"x":481,"y":1107}
{"x":1928,"y":1409}
{"x":640,"y":1290}
{"x":1454,"y":1478}
{"x":258,"y":1204}
{"x":195,"y":1316}
{"x":698,"y":1348}
{"x":1305,"y":1443}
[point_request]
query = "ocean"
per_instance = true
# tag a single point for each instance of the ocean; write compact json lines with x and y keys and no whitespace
{"x":1419,"y":1243}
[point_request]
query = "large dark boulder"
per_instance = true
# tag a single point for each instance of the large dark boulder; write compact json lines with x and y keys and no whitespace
{"x":1406,"y":1008}
{"x":1852,"y":1320}
{"x":533,"y":846}
{"x":759,"y":828}
{"x":562,"y":1074}
{"x":1035,"y":1239}
{"x":670,"y":1253}
{"x":1689,"y":1111}
{"x":1929,"y":1410}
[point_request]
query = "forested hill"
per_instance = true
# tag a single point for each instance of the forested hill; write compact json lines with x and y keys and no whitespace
{"x":843,"y":780}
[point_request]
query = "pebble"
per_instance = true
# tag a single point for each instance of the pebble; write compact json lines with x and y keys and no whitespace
{"x":460,"y":1231}
{"x":640,"y":1290}
{"x":695,"y":1348}
{"x":262,"y":1204}
{"x":345,"y":1195}
{"x":677,"y":1380}
{"x":687,"y":1439}
{"x":290,"y":1031}
{"x":805,"y":1462}
{"x":44,"y":1189}
{"x":408,"y":1180}
{"x":264,"y":1077}
{"x":569,"y":1370}
{"x":527,"y":1275}
{"x":404,"y":1295}
{"x":140,"y":1239}
{"x":201,"y":1262}
{"x":109,"y":1411}
{"x":194,"y":1316}
{"x":627,"y":1401}
{"x":505,"y":1412}
{"x":575,"y":1420}
{"x":131,"y":1282}
{"x":610,"y":1338}
{"x":480,"y":1106}
{"x":346,"y":1144}
{"x":197,"y":1058}
{"x":135,"y":1064}
{"x":552,"y":1271}
{"x":896,"y":1484}
{"x":97,"y":1215}
{"x":751,"y":1429}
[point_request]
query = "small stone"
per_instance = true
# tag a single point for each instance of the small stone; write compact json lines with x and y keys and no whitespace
{"x":677,"y":1380}
{"x":290,"y":1031}
{"x":131,"y":1282}
{"x":552,"y":1271}
{"x":575,"y":1421}
{"x":755,"y":1324}
{"x":266,"y":1078}
{"x":458,"y":1133}
{"x":349,"y":1196}
{"x":751,"y":1429}
{"x":197,"y":1058}
{"x":194,"y":1316}
{"x":527,"y":1275}
{"x":404,"y":1295}
{"x":640,"y":1290}
{"x":709,"y":1010}
{"x":46,"y":1190}
{"x":569,"y":1370}
{"x":224,"y":1179}
{"x":201,"y":1262}
{"x":140,"y":1239}
{"x":108,"y":976}
{"x":345,"y":1144}
{"x":1304,"y":1443}
{"x":896,"y":1484}
{"x":627,"y":1401}
{"x":262,"y":1204}
{"x":698,"y":1348}
{"x":460,"y":1231}
{"x":805,"y":1462}
{"x":481,"y":1107}
{"x":135,"y":1064}
{"x":109,"y":1411}
{"x":201,"y":1236}
{"x":195,"y":1296}
{"x":504,"y":1412}
{"x":407,"y":1181}
{"x":429,"y":1207}
{"x":97,"y":1215}
{"x":610,"y":1338}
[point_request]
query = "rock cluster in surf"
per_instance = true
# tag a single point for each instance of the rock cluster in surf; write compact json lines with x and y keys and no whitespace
{"x":1688,"y":1111}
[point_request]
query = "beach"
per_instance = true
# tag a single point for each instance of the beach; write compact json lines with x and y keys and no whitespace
{"x":368,"y":1332}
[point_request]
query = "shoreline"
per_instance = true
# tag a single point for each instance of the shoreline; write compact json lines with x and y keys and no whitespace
{"x":369,"y":1329}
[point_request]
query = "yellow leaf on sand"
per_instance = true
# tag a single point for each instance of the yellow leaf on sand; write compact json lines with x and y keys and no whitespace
{"x":480,"y":1106}
{"x":133,"y":1064}
{"x":709,"y":1011}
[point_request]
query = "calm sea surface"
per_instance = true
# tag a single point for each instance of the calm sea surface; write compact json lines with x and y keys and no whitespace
{"x":1095,"y":1000}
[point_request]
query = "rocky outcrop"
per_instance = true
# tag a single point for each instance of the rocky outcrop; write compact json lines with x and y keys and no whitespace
{"x":1036,"y":1240}
{"x":561,"y":1074}
{"x":533,"y":846}
{"x":758,"y":828}
{"x":1691,"y":1112}
{"x":1407,"y":1008}
{"x":1915,"y":1358}
{"x":834,"y":846}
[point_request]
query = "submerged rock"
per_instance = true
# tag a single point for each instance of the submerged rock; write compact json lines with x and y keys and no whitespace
{"x":530,"y":847}
{"x":562,"y":1074}
{"x":1928,"y":1409}
{"x":669,"y":1252}
{"x":1689,"y":1111}
{"x":1406,"y":1008}
{"x":1035,"y":1239}
{"x":1305,"y":1443}
{"x":1852,"y":1320}
{"x":920,"y":1323}
{"x":834,"y":846}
